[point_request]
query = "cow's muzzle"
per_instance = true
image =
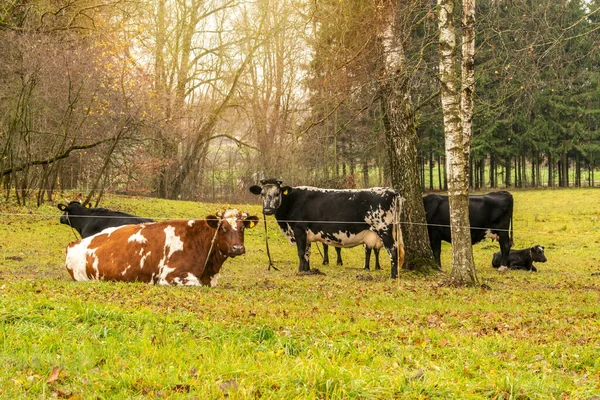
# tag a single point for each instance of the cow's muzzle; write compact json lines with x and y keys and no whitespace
{"x":268,"y":211}
{"x":236,"y":250}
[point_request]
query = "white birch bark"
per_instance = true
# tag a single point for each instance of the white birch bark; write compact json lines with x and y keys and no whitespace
{"x":457,"y":147}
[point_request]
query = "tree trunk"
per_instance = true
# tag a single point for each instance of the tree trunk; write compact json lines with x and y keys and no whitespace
{"x":482,"y":173}
{"x":550,"y":170}
{"x":399,"y":123}
{"x":431,"y":163}
{"x":492,"y":171}
{"x":577,"y":171}
{"x":458,"y":114}
{"x":441,"y":181}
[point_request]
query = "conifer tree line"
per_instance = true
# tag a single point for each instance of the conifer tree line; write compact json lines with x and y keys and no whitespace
{"x":198,"y":99}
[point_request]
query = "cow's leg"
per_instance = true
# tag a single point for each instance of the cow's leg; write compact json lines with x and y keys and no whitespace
{"x":188,"y":279}
{"x":338,"y":251}
{"x":367,"y":266}
{"x":303,"y":246}
{"x":504,"y":248}
{"x":396,"y":253}
{"x":436,"y":247}
{"x":377,"y":265}
{"x":325,"y":254}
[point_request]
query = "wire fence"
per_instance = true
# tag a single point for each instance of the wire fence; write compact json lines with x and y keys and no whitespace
{"x":277,"y":221}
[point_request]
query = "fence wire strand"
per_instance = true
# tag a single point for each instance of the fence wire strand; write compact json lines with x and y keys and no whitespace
{"x":271,"y":221}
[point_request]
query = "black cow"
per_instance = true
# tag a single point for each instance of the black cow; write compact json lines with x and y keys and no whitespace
{"x":522,"y":259}
{"x":89,"y":221}
{"x":342,"y":218}
{"x":490,"y":216}
{"x":367,"y":263}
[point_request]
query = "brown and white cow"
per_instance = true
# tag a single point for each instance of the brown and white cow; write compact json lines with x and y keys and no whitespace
{"x":177,"y":252}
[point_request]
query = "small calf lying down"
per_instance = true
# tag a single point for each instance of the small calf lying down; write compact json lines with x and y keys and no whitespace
{"x":178,"y":252}
{"x":522,"y":259}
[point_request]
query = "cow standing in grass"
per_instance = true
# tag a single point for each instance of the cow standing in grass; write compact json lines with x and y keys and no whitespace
{"x":178,"y":252}
{"x":342,"y":218}
{"x":89,"y":221}
{"x":490,"y":216}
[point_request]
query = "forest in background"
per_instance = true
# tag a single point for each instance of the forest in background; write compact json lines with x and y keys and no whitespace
{"x":194,"y":99}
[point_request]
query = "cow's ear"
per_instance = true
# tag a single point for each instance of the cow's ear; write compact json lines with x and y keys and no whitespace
{"x":251,"y":222}
{"x":62,"y":207}
{"x":255,"y":189}
{"x":212,"y":221}
{"x":286,"y":190}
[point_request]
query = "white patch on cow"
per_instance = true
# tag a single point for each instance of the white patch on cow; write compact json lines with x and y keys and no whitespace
{"x":376,"y":190}
{"x":231,"y":217}
{"x":288,"y":232}
{"x":380,"y":219}
{"x":191,"y":223}
{"x":189,"y":280}
{"x":137,"y":237}
{"x":125,"y":270}
{"x":107,"y":231}
{"x":76,"y":260}
{"x":192,"y":280}
{"x":143,"y":259}
{"x":173,"y":243}
{"x":213,"y":280}
{"x":490,"y":235}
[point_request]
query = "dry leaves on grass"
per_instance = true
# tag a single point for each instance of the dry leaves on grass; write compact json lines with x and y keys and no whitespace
{"x":54,"y":374}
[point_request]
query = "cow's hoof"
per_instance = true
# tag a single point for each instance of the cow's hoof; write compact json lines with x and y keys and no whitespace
{"x":502,"y":269}
{"x":340,"y":264}
{"x":325,"y":263}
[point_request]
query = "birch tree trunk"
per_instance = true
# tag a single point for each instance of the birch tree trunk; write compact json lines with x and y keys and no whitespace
{"x":402,"y":139}
{"x":457,"y":127}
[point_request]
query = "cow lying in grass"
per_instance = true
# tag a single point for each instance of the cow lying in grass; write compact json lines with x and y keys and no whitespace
{"x":522,"y":259}
{"x":88,"y":221}
{"x":178,"y":252}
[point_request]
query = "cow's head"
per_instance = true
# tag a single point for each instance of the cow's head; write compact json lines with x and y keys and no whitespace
{"x":73,"y":208}
{"x":271,"y":192}
{"x":537,"y":253}
{"x":230,"y":235}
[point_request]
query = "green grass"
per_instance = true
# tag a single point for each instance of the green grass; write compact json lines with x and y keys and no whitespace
{"x":268,"y":334}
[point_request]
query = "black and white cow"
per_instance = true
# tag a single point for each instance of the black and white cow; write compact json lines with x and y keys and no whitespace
{"x":490,"y":216}
{"x":342,"y":218}
{"x":522,"y":259}
{"x":89,"y":221}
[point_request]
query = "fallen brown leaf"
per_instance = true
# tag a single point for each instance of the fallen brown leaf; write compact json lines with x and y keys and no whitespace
{"x":54,"y":374}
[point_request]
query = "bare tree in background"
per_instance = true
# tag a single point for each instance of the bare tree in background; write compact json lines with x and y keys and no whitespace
{"x":75,"y":95}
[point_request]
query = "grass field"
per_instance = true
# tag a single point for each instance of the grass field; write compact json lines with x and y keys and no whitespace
{"x":268,"y":334}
